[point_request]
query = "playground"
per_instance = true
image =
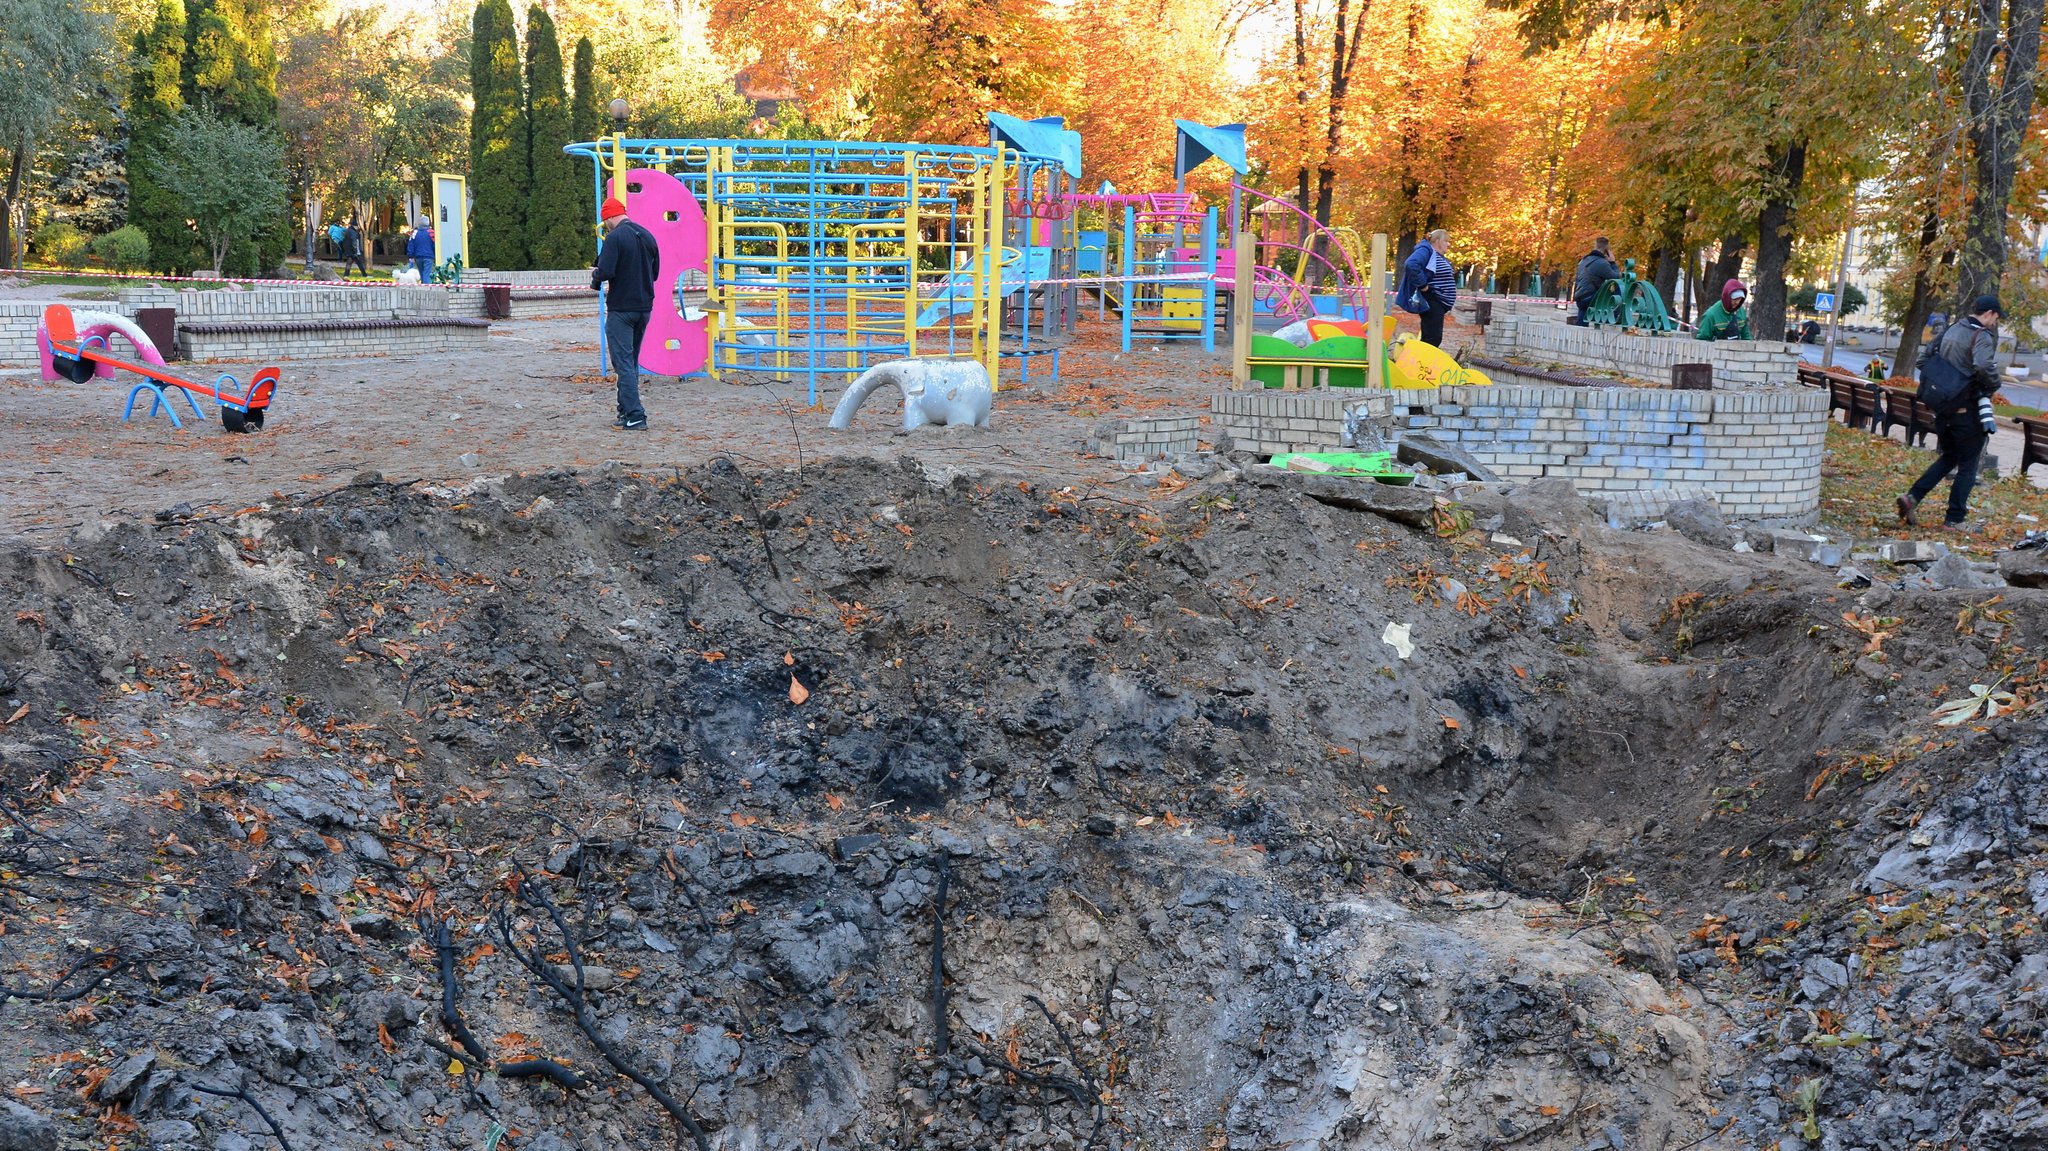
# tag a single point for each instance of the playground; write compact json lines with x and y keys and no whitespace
{"x":789,"y":267}
{"x":531,"y":401}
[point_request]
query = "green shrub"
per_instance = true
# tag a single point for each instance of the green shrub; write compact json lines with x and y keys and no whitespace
{"x":61,"y":244}
{"x":123,"y":249}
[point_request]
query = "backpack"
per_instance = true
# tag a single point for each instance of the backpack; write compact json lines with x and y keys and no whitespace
{"x":1943,"y":386}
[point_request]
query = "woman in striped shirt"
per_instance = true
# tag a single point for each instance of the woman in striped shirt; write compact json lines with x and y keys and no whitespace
{"x":1429,"y":285}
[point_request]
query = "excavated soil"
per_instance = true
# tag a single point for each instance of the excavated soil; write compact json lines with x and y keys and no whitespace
{"x":886,"y":804}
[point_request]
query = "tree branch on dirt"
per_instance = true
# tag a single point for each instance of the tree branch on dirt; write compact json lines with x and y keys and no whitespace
{"x":55,"y":993}
{"x":443,"y":941}
{"x":242,"y":1093}
{"x":533,"y":957}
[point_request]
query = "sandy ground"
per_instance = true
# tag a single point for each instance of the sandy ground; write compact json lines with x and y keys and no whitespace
{"x":533,"y":401}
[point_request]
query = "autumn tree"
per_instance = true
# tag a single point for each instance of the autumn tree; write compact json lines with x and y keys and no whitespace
{"x":1998,"y":93}
{"x":559,"y":202}
{"x":664,"y":61}
{"x":499,"y":180}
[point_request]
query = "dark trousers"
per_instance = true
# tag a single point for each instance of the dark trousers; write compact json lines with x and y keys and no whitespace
{"x":353,"y":260}
{"x":622,"y":331}
{"x":1961,"y":439}
{"x":1433,"y":326}
{"x":425,"y":266}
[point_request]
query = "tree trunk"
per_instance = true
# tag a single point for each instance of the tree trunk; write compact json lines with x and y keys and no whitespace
{"x":10,"y":202}
{"x":1921,"y":304}
{"x":1998,"y":128}
{"x":1669,"y":254}
{"x":1302,"y":191}
{"x":1774,"y":237}
{"x":1343,"y":56}
{"x":1727,"y":266}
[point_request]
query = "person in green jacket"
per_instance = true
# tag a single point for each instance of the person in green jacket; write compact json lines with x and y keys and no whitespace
{"x":1728,"y":319}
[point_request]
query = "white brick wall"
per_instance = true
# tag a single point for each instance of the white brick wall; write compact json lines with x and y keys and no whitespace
{"x":1274,"y":422}
{"x":1737,"y":363}
{"x":1758,"y":450}
{"x":20,"y":318}
{"x":1152,"y":439}
{"x":286,"y":346}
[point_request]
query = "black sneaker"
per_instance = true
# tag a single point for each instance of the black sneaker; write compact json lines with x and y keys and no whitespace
{"x":618,"y":421}
{"x":639,"y":425}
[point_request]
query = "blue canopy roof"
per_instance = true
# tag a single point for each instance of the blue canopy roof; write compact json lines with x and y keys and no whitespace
{"x":1195,"y":143}
{"x":1047,"y":137}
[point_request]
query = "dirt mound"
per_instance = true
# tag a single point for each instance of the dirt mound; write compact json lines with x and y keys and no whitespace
{"x":888,"y":804}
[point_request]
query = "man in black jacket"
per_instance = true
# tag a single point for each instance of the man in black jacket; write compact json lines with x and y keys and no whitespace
{"x":1595,"y":269}
{"x":627,"y":263}
{"x":1971,"y":347}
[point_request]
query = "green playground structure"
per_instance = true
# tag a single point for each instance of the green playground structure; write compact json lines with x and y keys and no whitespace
{"x":1370,"y":465}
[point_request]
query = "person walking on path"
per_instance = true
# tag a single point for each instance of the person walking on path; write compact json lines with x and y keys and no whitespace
{"x":1429,"y":285}
{"x":1728,"y":318}
{"x":352,"y":249}
{"x":1595,"y":269}
{"x":1961,"y":426}
{"x":420,"y":249}
{"x":625,"y":272}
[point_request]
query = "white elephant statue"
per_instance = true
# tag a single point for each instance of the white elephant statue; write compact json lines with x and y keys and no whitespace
{"x":935,"y":391}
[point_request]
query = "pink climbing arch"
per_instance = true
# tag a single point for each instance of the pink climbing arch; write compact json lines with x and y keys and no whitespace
{"x":660,"y":203}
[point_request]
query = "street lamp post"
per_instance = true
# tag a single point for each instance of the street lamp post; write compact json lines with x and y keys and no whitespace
{"x":306,"y":151}
{"x":620,"y":111}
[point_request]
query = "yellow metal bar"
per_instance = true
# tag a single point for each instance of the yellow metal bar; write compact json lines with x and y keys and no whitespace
{"x":992,"y":353}
{"x":715,"y":322}
{"x":910,"y":253}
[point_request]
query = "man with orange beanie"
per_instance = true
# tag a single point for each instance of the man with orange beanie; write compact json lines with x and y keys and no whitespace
{"x":625,"y":270}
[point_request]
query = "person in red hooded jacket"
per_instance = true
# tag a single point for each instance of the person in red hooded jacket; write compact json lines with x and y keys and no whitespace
{"x":1729,"y":318}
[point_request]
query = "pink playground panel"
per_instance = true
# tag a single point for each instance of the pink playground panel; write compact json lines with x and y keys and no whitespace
{"x":660,"y":203}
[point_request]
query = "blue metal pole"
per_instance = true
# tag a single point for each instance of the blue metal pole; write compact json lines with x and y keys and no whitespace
{"x":1209,"y":280}
{"x":1129,"y":263}
{"x":597,"y":199}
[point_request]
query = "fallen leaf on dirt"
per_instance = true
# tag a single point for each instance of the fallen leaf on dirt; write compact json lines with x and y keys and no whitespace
{"x":798,"y":693}
{"x":455,"y":1067}
{"x":384,"y":1038}
{"x":18,"y":713}
{"x":789,"y":659}
{"x":1548,"y":1112}
{"x":713,"y":656}
{"x":834,"y":802}
{"x":739,"y":820}
{"x":1450,"y":723}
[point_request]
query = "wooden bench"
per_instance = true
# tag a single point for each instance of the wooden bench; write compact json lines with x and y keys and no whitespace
{"x":1903,"y":409}
{"x":1860,"y":401}
{"x":2036,"y":449}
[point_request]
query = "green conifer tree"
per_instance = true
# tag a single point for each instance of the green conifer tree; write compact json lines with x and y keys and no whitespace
{"x":483,"y":32}
{"x":231,"y":67}
{"x":557,"y":207}
{"x":585,"y":121}
{"x":500,"y":143}
{"x":155,"y":96}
